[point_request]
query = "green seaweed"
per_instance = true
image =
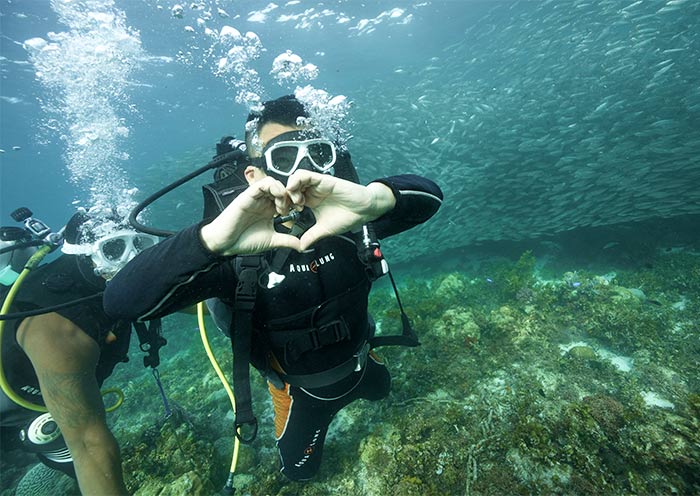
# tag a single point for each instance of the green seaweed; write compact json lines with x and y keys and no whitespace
{"x":513,"y":391}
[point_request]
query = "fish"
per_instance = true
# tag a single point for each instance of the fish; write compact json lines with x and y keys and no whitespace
{"x":549,"y":120}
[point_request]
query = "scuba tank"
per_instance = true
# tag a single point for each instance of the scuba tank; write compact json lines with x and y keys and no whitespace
{"x":15,"y":250}
{"x":17,"y":245}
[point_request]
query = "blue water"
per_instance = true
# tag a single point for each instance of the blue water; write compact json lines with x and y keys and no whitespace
{"x":536,"y":117}
{"x":565,"y":135}
{"x":178,"y":108}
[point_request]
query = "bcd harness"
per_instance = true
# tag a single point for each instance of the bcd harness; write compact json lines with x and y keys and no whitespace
{"x":248,"y":270}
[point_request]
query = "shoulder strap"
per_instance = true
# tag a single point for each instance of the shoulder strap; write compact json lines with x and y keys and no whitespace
{"x":247,"y":268}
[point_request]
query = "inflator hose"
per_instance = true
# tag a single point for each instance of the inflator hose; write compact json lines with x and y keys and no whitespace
{"x":222,"y":378}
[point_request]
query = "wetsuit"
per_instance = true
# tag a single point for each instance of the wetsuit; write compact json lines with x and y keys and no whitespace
{"x":67,"y":278}
{"x":310,"y":331}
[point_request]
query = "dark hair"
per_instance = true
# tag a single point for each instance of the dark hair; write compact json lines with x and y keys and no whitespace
{"x":80,"y":228}
{"x":72,"y":233}
{"x":284,"y":110}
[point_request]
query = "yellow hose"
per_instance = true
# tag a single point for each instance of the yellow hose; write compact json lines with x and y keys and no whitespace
{"x":222,"y":377}
{"x":31,"y":264}
{"x":120,"y":398}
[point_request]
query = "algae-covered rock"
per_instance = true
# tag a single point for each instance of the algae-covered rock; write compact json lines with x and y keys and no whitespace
{"x":458,"y":323}
{"x":607,"y":412}
{"x":189,"y":483}
{"x":516,"y":325}
{"x":378,"y":458}
{"x":582,"y":352}
{"x":451,"y":286}
{"x":173,"y":451}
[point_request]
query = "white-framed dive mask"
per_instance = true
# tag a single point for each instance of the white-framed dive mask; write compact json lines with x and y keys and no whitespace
{"x":112,"y":252}
{"x":284,"y":153}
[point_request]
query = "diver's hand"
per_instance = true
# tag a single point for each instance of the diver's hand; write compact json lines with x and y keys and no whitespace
{"x":338,"y":205}
{"x":246,"y":225}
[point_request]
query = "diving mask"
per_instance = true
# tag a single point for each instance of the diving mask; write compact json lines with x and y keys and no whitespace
{"x":112,"y":252}
{"x":284,"y":154}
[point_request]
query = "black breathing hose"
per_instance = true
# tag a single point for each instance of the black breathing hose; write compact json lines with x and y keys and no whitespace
{"x":19,"y":246}
{"x":53,"y":308}
{"x":216,"y":162}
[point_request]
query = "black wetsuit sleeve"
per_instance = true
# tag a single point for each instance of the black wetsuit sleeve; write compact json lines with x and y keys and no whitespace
{"x":417,"y":200}
{"x":176,"y":273}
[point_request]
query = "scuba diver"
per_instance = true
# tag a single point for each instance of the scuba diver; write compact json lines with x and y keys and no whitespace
{"x":58,"y":345}
{"x":287,"y":263}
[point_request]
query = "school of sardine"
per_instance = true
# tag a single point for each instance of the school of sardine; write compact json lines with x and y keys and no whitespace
{"x":546,"y":117}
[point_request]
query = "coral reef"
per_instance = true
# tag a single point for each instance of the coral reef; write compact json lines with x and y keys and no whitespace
{"x":41,"y":480}
{"x":585,"y":381}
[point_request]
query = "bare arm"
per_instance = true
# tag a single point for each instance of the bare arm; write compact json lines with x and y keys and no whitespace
{"x":64,"y":358}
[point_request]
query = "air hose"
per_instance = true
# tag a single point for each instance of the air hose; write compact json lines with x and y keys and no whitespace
{"x":120,"y":398}
{"x":228,"y":488}
{"x":33,"y":261}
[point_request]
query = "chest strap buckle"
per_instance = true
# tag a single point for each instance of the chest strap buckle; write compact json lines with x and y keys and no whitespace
{"x":316,"y":338}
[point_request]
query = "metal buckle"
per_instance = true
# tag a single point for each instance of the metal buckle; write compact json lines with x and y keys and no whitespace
{"x":362,"y":357}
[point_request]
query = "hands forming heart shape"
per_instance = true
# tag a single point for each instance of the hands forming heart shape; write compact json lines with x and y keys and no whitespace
{"x":247,"y":225}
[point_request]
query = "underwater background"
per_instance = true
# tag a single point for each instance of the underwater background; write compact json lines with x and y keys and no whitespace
{"x":556,"y":293}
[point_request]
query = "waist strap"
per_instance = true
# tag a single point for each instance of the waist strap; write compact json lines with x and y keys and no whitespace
{"x":299,"y":341}
{"x":330,"y":376}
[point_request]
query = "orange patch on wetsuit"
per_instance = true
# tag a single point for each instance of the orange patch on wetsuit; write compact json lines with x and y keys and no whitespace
{"x":376,"y":358}
{"x":282,"y":402}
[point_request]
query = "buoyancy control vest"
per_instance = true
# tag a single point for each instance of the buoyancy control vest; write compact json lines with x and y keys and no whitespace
{"x":65,"y":279}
